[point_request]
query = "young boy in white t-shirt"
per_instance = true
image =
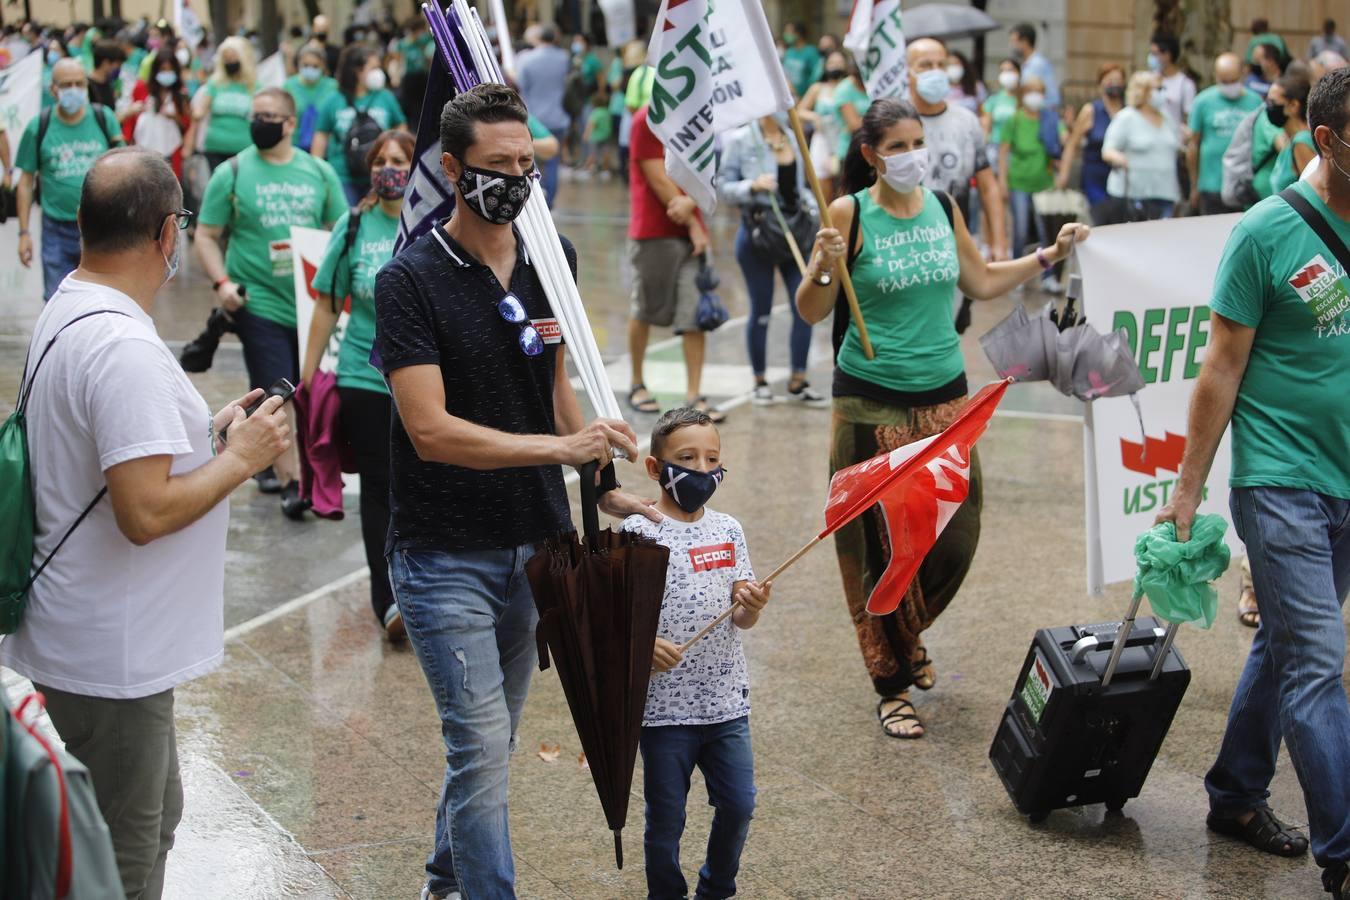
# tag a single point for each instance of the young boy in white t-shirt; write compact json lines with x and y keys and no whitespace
{"x":698,"y":703}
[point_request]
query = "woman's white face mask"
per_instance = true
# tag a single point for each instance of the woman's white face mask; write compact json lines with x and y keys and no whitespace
{"x":905,"y":171}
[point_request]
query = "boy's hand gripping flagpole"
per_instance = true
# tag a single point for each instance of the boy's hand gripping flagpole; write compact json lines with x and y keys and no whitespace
{"x":919,"y":487}
{"x":841,"y":268}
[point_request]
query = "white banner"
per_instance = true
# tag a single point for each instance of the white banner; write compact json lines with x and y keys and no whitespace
{"x":307,"y":249}
{"x":1154,"y":279}
{"x":878,"y":44}
{"x":20,"y":96}
{"x":716,"y":69}
{"x":620,"y":22}
{"x":272,"y":71}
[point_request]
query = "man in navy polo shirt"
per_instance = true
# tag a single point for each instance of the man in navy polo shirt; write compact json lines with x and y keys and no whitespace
{"x":485,"y":417}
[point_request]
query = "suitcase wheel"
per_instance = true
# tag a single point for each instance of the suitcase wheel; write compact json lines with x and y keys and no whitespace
{"x":1038,"y":816}
{"x":1115,"y":805}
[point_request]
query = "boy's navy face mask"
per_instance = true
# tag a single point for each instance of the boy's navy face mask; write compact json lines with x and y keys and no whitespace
{"x":690,"y":488}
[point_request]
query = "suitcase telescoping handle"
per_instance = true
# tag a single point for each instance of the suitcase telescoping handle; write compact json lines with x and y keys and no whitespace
{"x":1118,"y":645}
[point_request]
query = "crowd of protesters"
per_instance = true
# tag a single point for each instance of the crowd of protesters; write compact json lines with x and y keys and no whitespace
{"x":958,"y":168}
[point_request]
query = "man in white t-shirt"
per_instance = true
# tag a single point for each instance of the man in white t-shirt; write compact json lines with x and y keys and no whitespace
{"x":133,"y":604}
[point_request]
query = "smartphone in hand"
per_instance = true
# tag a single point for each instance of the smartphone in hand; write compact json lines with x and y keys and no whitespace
{"x":282,"y":388}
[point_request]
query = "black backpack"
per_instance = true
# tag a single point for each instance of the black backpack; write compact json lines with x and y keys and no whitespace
{"x":363,"y":134}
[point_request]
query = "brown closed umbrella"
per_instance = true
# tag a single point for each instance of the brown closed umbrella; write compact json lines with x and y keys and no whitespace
{"x":599,"y":601}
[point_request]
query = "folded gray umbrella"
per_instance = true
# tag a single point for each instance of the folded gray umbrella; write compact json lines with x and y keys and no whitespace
{"x":946,"y":21}
{"x":1079,"y":361}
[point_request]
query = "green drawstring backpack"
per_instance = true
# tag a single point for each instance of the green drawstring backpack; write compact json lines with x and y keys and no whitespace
{"x":16,"y":500}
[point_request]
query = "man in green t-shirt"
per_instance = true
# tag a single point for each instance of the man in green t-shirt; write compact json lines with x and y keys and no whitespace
{"x":1215,"y":115}
{"x":58,"y":146}
{"x":1276,"y":363}
{"x":259,"y":195}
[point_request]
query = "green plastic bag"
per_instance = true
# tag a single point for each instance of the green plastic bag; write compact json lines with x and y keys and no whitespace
{"x":1177,"y":577}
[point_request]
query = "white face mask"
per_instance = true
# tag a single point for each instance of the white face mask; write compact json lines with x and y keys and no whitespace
{"x":1232,"y":90}
{"x":174,"y":262}
{"x":1008,"y":80}
{"x":955,"y":74}
{"x":1033,"y":100}
{"x":905,"y":171}
{"x":375,"y":80}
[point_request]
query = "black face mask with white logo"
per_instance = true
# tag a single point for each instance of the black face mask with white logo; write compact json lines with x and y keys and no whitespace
{"x":690,"y":488}
{"x":495,"y":196}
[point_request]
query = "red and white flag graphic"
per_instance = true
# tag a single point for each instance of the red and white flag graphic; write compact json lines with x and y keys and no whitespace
{"x":919,"y":486}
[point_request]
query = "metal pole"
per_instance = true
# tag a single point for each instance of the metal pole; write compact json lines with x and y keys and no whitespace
{"x":1122,"y":635}
{"x":1168,"y":639}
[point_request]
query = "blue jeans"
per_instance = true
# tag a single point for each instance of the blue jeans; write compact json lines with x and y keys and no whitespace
{"x":60,"y":252}
{"x":270,"y":348}
{"x":1026,"y":223}
{"x":722,"y":754}
{"x":470,"y":617}
{"x":1298,"y":543}
{"x":758,"y":273}
{"x":548,"y":179}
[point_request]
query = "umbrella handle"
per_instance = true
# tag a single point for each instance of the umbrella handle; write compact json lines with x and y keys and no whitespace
{"x":590,"y":498}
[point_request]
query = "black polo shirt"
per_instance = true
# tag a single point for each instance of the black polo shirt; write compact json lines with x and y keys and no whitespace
{"x":437,"y":305}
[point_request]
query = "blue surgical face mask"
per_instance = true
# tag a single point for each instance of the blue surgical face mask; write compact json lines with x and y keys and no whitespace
{"x":310,"y":74}
{"x":72,"y":99}
{"x":690,"y":488}
{"x":933,"y":85}
{"x":53,"y":57}
{"x":166,"y":78}
{"x":1154,"y":62}
{"x":174,"y":263}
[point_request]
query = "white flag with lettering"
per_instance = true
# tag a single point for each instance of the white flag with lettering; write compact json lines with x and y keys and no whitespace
{"x":878,"y":44}
{"x":20,"y":96}
{"x":716,"y":69}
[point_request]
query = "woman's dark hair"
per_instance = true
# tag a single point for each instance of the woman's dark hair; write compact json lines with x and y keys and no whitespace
{"x":968,"y":78}
{"x":856,"y":173}
{"x":1017,"y":66}
{"x":350,"y":64}
{"x":178,"y":92}
{"x":1296,"y":86}
{"x":1168,"y":44}
{"x":406,"y":142}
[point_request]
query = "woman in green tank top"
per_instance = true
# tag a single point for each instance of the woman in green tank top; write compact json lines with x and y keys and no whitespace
{"x":910,"y":253}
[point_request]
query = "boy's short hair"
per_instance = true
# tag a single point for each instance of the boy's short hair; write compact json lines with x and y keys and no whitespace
{"x":672,"y":421}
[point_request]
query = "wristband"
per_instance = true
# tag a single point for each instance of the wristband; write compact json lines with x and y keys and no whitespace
{"x":215,"y":285}
{"x":1046,"y":264}
{"x":23,"y":232}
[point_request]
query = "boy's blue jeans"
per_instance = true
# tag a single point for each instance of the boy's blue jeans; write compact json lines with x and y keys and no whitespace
{"x":1298,"y":543}
{"x":470,"y":617}
{"x":722,"y":754}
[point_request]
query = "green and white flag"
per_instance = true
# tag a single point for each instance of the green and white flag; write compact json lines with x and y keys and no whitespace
{"x":716,"y":69}
{"x":878,"y":44}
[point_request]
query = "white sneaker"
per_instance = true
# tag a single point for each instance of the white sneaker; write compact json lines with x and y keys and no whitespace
{"x":762,"y":395}
{"x":804,"y":396}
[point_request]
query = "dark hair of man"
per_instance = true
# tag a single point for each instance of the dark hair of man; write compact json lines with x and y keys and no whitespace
{"x":126,"y":197}
{"x":1168,"y":44}
{"x":1329,"y":27}
{"x":280,"y":95}
{"x":672,"y":421}
{"x":486,"y":103}
{"x":1327,"y":102}
{"x":548,"y":35}
{"x":350,"y":64}
{"x":857,"y":173}
{"x":108,"y":51}
{"x":1025,"y":31}
{"x":1296,"y":86}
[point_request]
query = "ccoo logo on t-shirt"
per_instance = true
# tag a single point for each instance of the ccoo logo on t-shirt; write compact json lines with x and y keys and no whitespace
{"x":716,"y":556}
{"x":550,"y":332}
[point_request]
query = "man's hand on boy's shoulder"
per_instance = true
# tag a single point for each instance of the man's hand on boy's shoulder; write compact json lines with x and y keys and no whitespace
{"x":666,"y":656}
{"x":621,"y":505}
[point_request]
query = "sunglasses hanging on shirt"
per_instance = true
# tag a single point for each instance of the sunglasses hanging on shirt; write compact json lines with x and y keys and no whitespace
{"x":513,"y":311}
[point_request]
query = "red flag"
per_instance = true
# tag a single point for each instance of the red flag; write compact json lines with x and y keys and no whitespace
{"x":919,"y":486}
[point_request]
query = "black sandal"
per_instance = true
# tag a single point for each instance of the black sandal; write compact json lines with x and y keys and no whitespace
{"x":1248,"y":615}
{"x":649,"y":405}
{"x":1336,"y":881}
{"x":921,"y":680}
{"x":899,"y":715}
{"x":1264,"y":832}
{"x":701,"y":404}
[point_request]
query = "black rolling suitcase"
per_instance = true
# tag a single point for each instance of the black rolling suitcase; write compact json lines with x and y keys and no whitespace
{"x":1083,"y":725}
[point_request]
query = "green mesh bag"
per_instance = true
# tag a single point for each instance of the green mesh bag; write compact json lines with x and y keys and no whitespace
{"x":1177,"y":577}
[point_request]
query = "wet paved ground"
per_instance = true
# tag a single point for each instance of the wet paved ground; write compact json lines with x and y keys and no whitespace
{"x":312,"y":758}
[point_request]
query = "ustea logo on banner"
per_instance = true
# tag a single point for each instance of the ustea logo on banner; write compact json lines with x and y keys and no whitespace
{"x":1321,"y":289}
{"x":717,"y":556}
